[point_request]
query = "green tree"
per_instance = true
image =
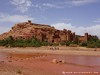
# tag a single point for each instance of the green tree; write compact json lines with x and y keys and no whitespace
{"x":84,"y":44}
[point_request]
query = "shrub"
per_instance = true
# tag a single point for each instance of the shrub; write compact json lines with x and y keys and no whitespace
{"x":73,"y":45}
{"x":90,"y":46}
{"x":68,"y":43}
{"x":94,"y":39}
{"x":63,"y":43}
{"x":1,"y":43}
{"x":55,"y":44}
{"x":97,"y":44}
{"x":45,"y":43}
{"x":10,"y":42}
{"x":83,"y":44}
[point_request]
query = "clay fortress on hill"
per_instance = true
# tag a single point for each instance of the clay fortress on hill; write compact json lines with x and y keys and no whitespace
{"x":28,"y":30}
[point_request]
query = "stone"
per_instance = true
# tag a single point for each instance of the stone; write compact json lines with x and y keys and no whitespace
{"x":54,"y":61}
{"x":62,"y":61}
{"x":2,"y":61}
{"x":9,"y":61}
{"x":10,"y":56}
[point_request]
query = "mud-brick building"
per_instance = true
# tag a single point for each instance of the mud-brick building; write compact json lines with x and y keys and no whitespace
{"x":42,"y":32}
{"x":86,"y":37}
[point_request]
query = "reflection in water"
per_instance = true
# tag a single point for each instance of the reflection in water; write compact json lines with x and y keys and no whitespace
{"x":81,"y":60}
{"x":2,"y":56}
{"x":84,"y":60}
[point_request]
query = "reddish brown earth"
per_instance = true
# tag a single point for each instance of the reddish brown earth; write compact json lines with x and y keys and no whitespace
{"x":28,"y":30}
{"x":31,"y":63}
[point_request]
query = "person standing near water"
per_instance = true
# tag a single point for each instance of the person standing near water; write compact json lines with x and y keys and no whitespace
{"x":95,"y":48}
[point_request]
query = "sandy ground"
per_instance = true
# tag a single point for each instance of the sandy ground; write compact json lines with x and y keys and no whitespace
{"x":38,"y":61}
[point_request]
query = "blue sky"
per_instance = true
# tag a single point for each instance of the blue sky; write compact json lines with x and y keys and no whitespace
{"x":80,"y":16}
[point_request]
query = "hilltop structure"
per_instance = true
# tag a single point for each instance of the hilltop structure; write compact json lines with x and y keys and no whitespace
{"x":28,"y":30}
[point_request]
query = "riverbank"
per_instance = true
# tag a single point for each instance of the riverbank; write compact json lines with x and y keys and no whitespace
{"x":38,"y":61}
{"x":62,"y":50}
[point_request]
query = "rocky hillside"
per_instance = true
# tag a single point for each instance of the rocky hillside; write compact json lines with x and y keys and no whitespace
{"x":26,"y":30}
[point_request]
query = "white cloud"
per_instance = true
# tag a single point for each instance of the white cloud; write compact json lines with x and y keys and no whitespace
{"x":14,"y":18}
{"x":94,"y":30}
{"x":97,"y":21}
{"x":37,"y":6}
{"x":44,"y":6}
{"x":22,"y":5}
{"x":80,"y":2}
{"x":51,"y":5}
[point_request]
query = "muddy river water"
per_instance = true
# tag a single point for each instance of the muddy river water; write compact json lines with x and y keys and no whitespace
{"x":73,"y":62}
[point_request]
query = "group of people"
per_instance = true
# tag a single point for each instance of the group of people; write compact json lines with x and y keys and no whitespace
{"x":54,"y":48}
